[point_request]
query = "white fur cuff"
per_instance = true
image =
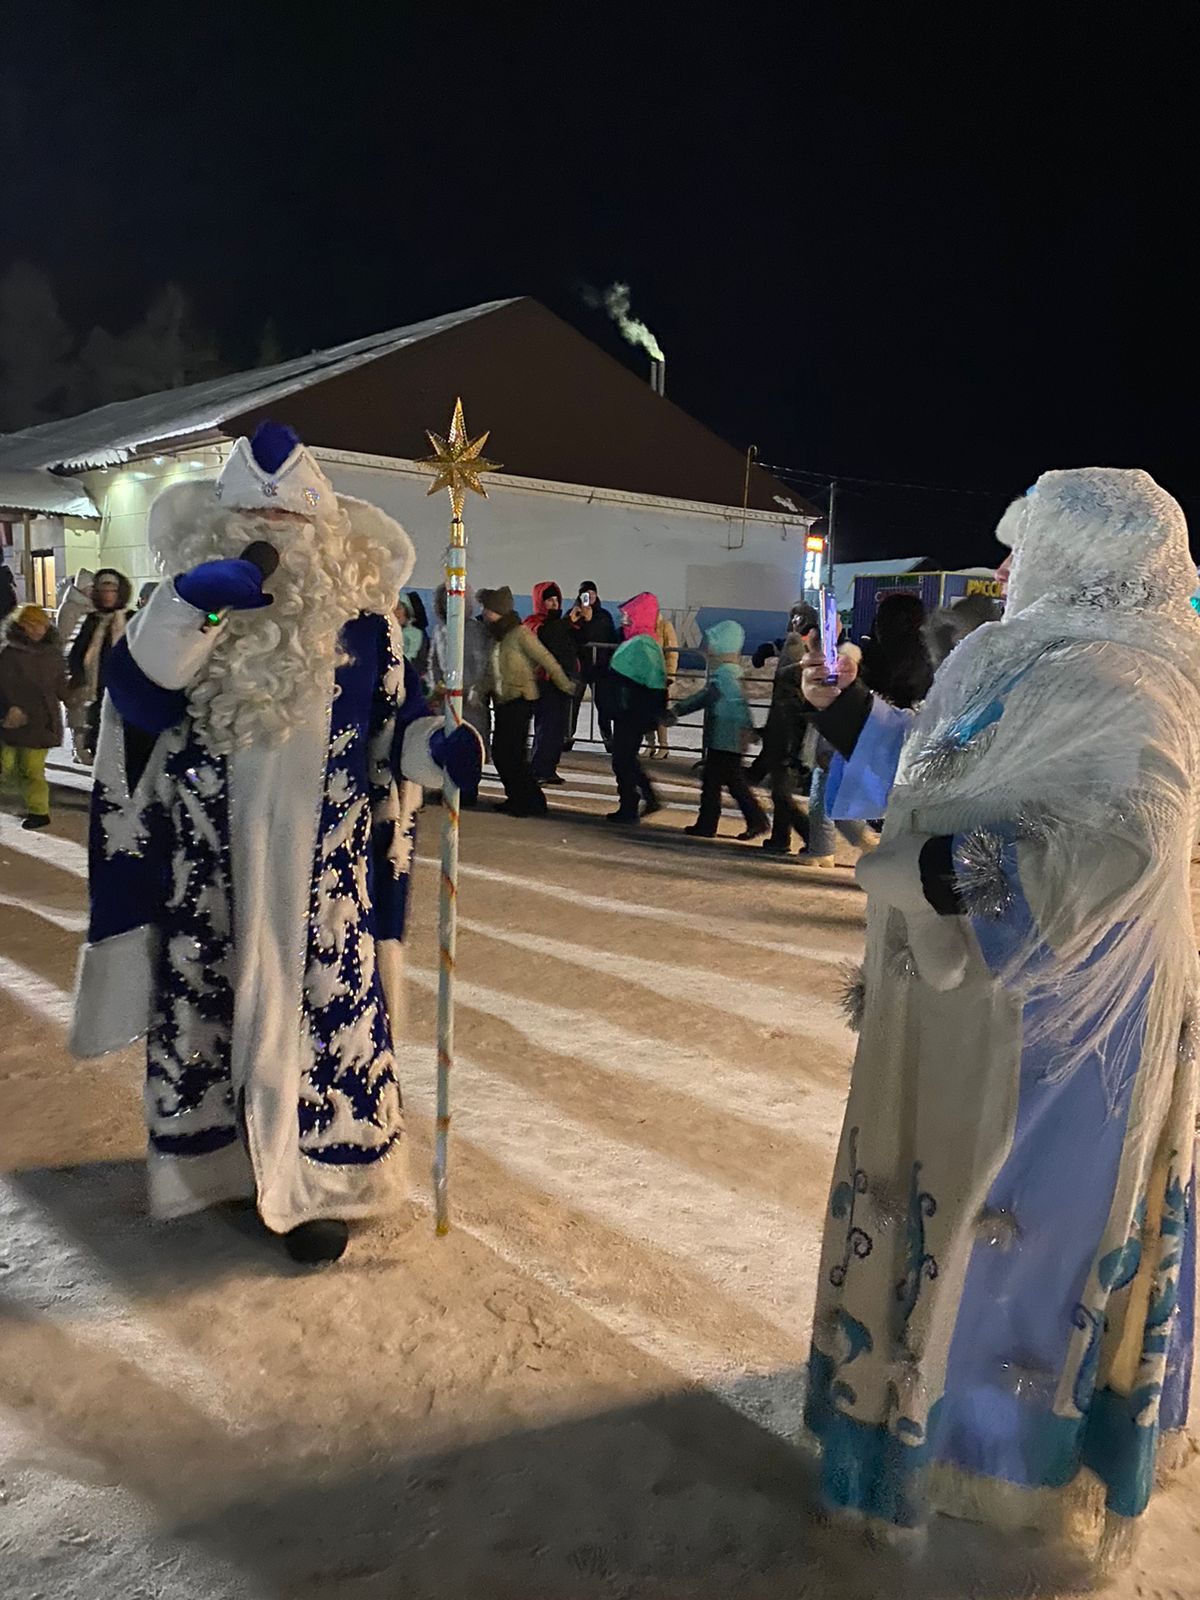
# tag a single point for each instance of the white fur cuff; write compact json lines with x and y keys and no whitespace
{"x":113,"y":991}
{"x":165,"y":638}
{"x":416,"y":758}
{"x":892,"y":873}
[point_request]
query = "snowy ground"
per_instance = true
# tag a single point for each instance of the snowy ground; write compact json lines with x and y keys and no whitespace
{"x":590,"y":1388}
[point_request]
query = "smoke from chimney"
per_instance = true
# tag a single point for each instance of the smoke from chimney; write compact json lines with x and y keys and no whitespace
{"x":615,"y":301}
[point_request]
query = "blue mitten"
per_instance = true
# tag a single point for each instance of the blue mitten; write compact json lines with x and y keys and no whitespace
{"x":460,"y":755}
{"x":213,"y":585}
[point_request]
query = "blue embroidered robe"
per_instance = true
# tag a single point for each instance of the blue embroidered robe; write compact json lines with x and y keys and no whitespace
{"x":1008,"y":1283}
{"x":246,"y":917}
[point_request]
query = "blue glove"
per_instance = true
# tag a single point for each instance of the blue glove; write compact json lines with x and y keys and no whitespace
{"x":460,"y":756}
{"x":213,"y":585}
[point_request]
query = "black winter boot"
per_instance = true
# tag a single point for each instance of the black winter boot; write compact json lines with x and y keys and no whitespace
{"x":315,"y":1243}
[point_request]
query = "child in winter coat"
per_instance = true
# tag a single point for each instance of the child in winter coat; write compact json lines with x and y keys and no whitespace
{"x":635,"y":693}
{"x":33,"y":684}
{"x":729,"y":724}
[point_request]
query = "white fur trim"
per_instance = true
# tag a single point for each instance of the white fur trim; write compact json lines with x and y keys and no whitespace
{"x":416,"y":758}
{"x":1071,"y":1516}
{"x":389,"y":959}
{"x":182,"y":503}
{"x":166,"y":638}
{"x":177,"y":505}
{"x":114,"y":987}
{"x":298,"y":485}
{"x":382,"y":529}
{"x":891,"y":874}
{"x":1012,"y":524}
{"x":181,"y":1185}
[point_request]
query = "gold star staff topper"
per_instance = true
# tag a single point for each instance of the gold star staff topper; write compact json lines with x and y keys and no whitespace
{"x":457,"y":462}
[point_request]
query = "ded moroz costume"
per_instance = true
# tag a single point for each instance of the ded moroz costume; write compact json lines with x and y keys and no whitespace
{"x":262,"y":753}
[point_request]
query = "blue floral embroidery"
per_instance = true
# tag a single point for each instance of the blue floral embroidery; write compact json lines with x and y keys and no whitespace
{"x":1085,"y":1379}
{"x":349,"y":1110}
{"x":920,"y":1264}
{"x":844,"y":1203}
{"x":858,"y":1341}
{"x":1164,"y":1296}
{"x":189,"y":1059}
{"x":1120,"y":1267}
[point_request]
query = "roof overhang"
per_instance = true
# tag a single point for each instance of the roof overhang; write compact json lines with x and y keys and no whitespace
{"x":45,"y":493}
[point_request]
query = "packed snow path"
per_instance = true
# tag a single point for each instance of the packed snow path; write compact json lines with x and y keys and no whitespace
{"x":591,"y":1388}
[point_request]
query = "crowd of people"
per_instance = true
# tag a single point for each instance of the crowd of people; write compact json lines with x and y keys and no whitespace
{"x":524,"y":684}
{"x":525,"y":681}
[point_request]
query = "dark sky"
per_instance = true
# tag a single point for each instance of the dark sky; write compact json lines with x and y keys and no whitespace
{"x":931,"y":244}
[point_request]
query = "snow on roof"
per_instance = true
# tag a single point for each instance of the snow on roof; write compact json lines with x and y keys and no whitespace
{"x":110,"y":434}
{"x":31,"y":490}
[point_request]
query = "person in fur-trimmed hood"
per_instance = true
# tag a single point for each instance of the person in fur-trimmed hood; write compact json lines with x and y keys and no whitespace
{"x":1005,"y":1305}
{"x":263,"y":745}
{"x":87,"y":660}
{"x":33,"y":684}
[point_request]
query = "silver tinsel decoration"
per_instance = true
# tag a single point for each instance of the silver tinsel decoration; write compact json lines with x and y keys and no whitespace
{"x":946,"y":756}
{"x":983,"y":885}
{"x":852,"y":994}
{"x":1106,"y":594}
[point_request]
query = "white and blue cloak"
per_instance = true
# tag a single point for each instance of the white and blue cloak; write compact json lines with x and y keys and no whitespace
{"x":247,"y":914}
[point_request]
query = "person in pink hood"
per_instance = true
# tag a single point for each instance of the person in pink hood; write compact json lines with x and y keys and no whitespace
{"x":644,"y":615}
{"x":639,"y":615}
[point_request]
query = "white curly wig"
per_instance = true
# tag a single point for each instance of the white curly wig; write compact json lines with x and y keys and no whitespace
{"x":269,"y":667}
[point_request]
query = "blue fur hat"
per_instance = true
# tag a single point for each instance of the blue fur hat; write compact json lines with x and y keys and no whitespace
{"x":272,"y":444}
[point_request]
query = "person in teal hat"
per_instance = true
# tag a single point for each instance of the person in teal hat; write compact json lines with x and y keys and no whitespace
{"x":729,"y":727}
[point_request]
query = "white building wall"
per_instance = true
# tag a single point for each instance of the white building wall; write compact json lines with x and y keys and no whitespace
{"x":694,"y":557}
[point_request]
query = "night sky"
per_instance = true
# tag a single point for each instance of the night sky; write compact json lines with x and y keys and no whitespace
{"x":929,"y":244}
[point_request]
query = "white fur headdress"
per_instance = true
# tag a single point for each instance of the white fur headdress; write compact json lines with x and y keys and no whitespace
{"x":297,"y":477}
{"x":294,"y":484}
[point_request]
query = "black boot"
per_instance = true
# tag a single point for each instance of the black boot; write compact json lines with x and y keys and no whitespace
{"x":315,"y":1243}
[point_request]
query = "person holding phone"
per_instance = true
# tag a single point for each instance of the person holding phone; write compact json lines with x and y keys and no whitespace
{"x":595,"y":639}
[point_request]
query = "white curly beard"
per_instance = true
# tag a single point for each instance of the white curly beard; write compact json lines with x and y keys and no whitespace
{"x":270,"y":668}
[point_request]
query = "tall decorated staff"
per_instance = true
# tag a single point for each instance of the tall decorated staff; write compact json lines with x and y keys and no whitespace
{"x":458,"y":464}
